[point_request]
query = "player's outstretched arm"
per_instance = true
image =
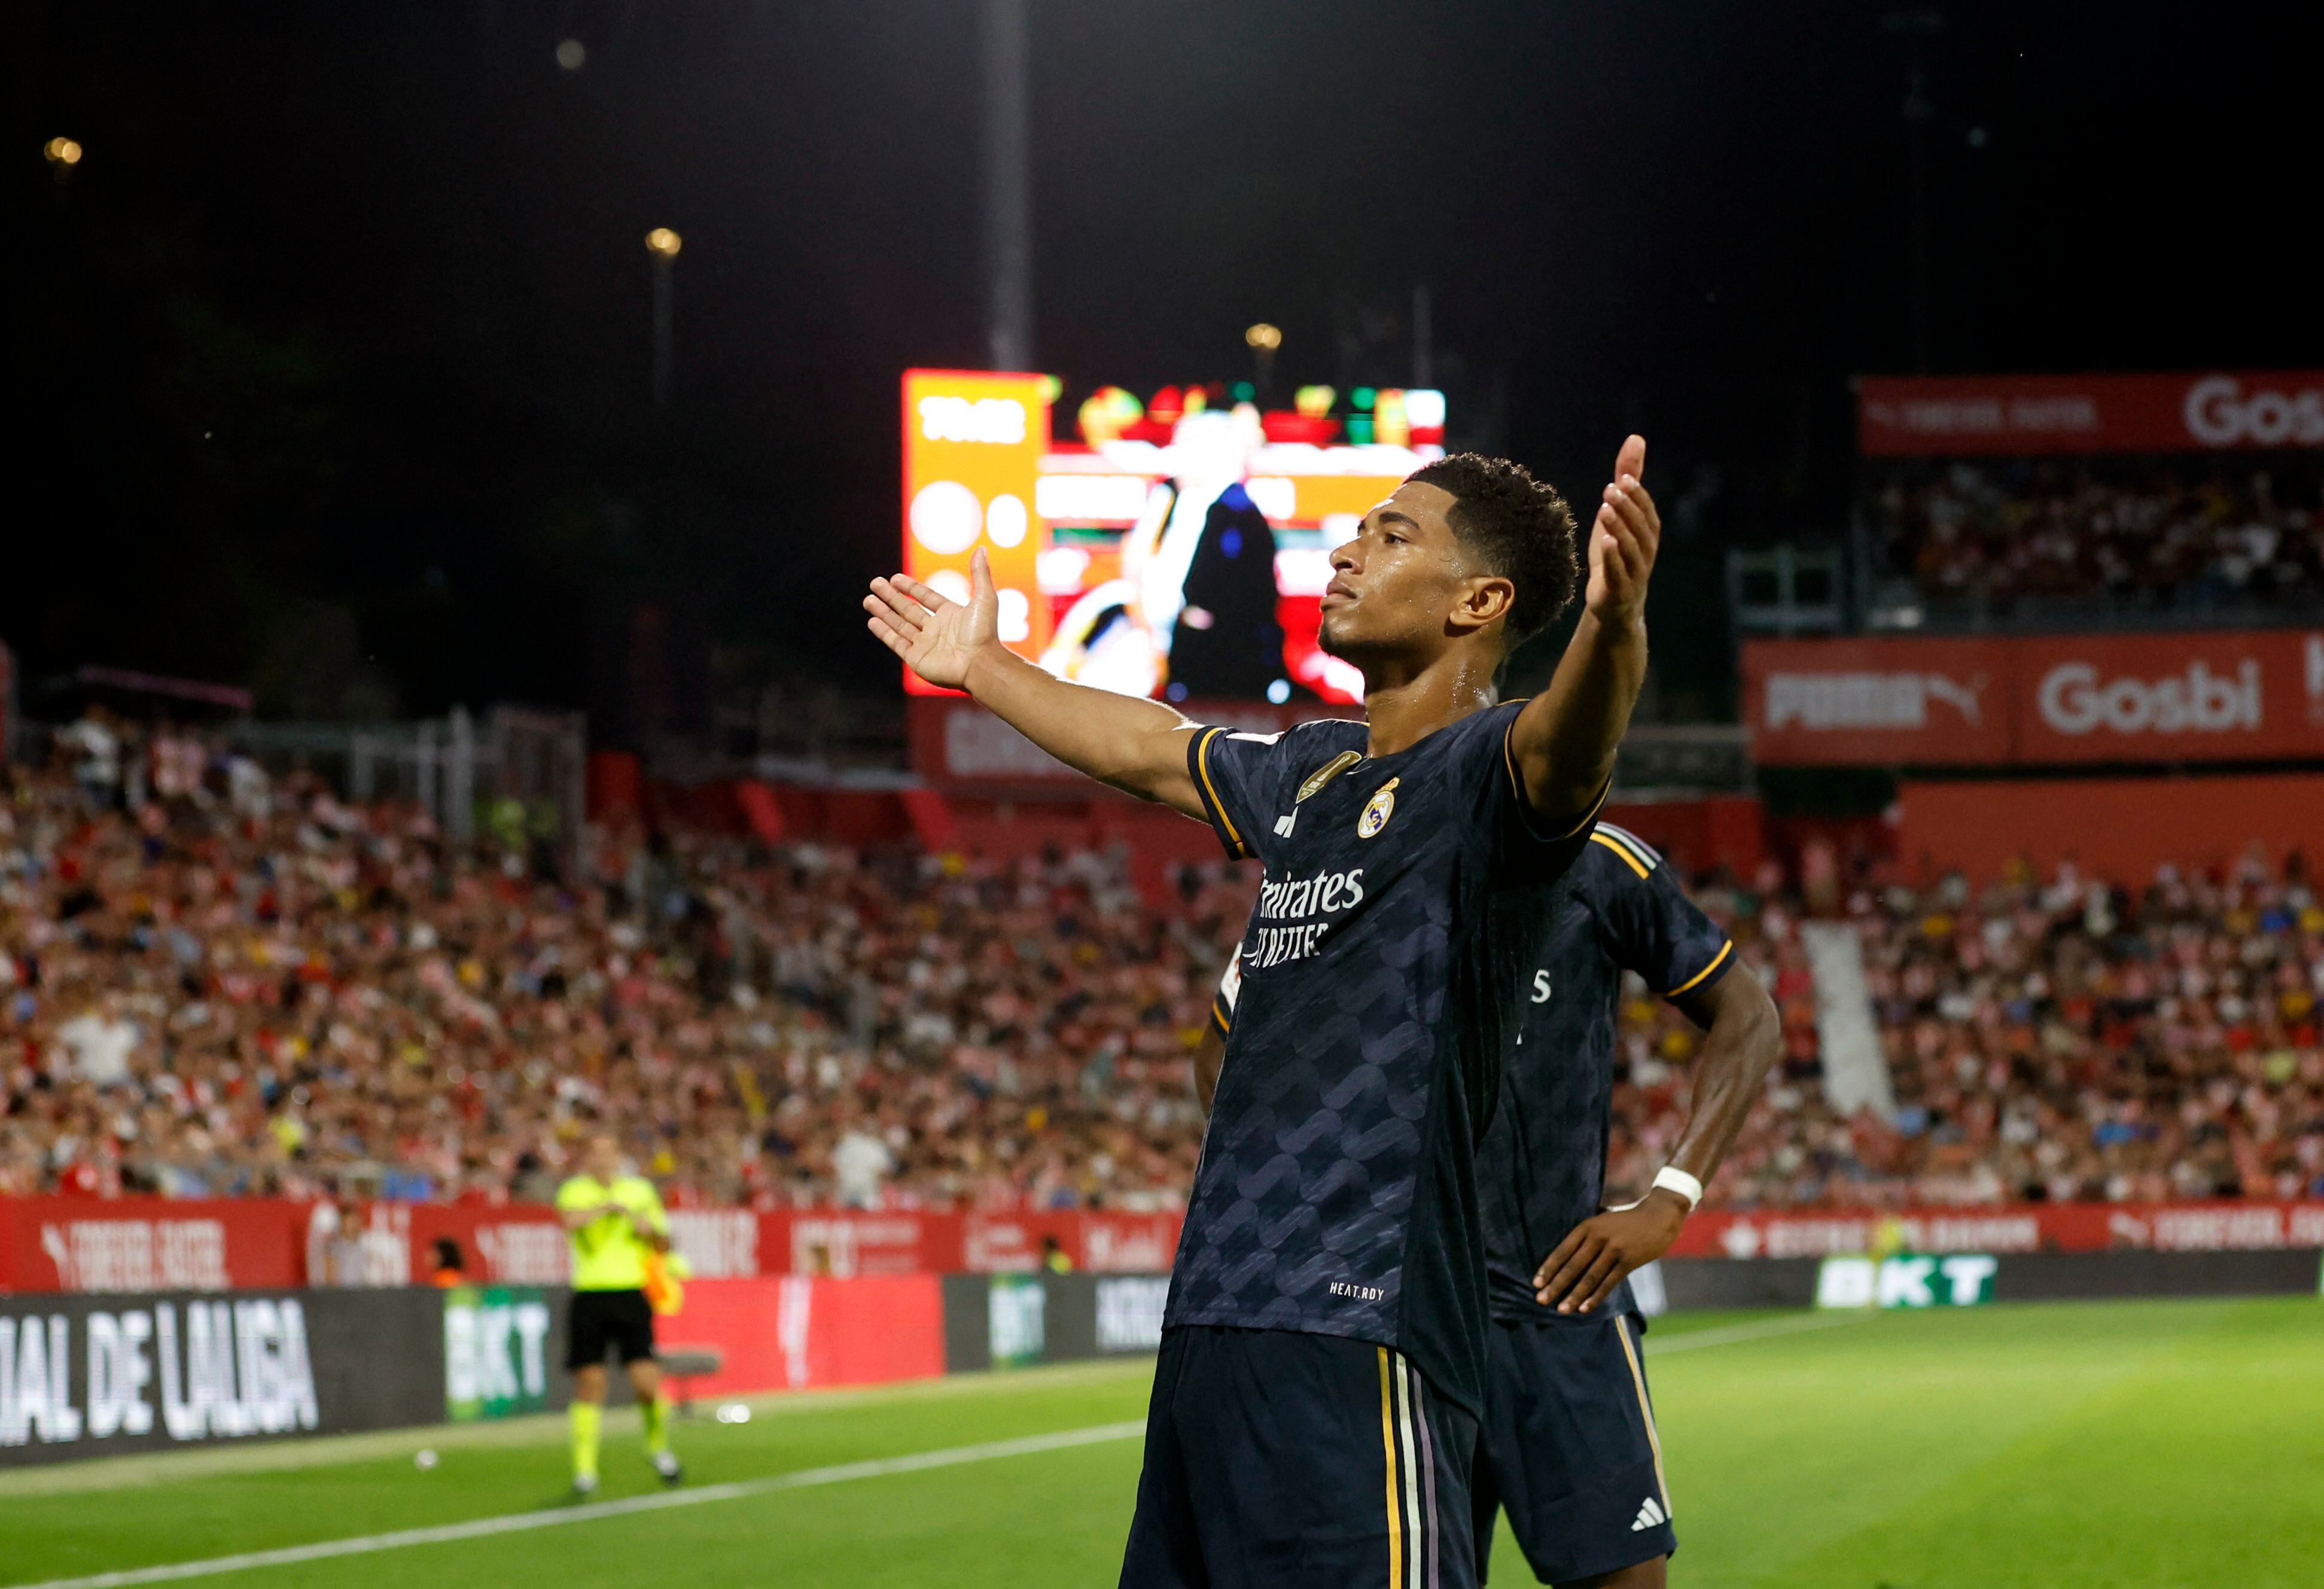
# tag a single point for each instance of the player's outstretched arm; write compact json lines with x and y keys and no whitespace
{"x":1745,"y":1038}
{"x":1564,"y":740}
{"x":1210,"y":1058}
{"x":1137,"y":746}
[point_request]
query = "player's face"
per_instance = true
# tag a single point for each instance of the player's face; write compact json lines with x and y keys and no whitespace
{"x":604,"y":1157}
{"x":1402,"y":587}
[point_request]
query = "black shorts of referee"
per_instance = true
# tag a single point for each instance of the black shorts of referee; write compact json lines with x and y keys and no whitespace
{"x":609,"y":1321}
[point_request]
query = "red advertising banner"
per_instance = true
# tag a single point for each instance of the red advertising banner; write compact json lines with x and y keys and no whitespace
{"x":1927,"y":701}
{"x":798,"y":1333}
{"x":2195,"y":695}
{"x":2025,"y":1227}
{"x":150,"y":1244}
{"x":1958,"y":416}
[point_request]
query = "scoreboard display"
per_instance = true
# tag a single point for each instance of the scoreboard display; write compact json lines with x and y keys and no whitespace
{"x":1177,"y":547}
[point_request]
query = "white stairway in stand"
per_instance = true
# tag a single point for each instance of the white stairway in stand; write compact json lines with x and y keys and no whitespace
{"x":1855,"y":1067}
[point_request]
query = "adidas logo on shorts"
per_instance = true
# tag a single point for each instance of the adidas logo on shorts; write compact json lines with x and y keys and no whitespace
{"x":1650,"y":1516}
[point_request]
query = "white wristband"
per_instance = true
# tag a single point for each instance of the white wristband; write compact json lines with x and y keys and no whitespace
{"x":1671,"y":1179}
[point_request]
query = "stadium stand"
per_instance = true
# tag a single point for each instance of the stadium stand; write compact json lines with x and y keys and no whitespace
{"x":286,"y":993}
{"x":2047,"y":1041}
{"x":2155,"y":536}
{"x":239,"y":986}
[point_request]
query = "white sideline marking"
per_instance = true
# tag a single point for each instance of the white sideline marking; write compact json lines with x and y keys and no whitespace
{"x":1753,"y":1332}
{"x":523,"y":1521}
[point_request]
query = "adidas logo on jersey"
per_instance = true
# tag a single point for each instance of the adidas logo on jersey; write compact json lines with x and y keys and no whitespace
{"x":1287,"y":822}
{"x":1650,"y":1516}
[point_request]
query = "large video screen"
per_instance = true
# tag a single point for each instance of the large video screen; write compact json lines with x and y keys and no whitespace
{"x":1175,"y":546}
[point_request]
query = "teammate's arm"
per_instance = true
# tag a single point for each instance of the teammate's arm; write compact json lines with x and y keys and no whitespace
{"x":1210,"y":1058}
{"x":1211,"y":1051}
{"x":1746,"y":1037}
{"x":1564,"y":741}
{"x":1137,"y":746}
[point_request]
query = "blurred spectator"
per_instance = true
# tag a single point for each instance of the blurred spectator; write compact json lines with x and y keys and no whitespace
{"x":291,"y":994}
{"x":2147,"y":534}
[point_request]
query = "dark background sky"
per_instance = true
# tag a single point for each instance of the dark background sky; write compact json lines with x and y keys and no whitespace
{"x":336,"y":344}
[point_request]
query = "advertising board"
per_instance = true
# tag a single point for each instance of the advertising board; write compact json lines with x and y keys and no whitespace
{"x":2023,"y":1227}
{"x":1907,"y":1279}
{"x":1960,"y":416}
{"x":496,"y":1350}
{"x":2197,"y":696}
{"x":90,"y":1375}
{"x":97,"y":1244}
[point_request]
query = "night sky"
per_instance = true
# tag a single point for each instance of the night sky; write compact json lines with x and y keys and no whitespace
{"x":335,"y":343}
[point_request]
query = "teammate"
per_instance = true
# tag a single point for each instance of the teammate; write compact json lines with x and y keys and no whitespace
{"x":613,"y":1220}
{"x":1317,"y":1399}
{"x":1569,"y":1444}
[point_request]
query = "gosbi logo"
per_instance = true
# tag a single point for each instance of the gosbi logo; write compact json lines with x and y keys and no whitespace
{"x":2073,"y":701}
{"x":1378,"y":809}
{"x":2219,"y":414}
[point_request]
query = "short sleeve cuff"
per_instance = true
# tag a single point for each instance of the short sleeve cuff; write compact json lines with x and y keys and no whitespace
{"x":1206,"y":788}
{"x":1527,"y":819}
{"x":1709,"y":974}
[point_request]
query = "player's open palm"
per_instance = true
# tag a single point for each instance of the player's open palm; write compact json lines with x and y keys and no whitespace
{"x":936,"y":637}
{"x":1624,"y":537}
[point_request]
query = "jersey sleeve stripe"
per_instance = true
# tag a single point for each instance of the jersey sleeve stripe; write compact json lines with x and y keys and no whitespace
{"x":1222,"y":1017}
{"x":1628,"y":859}
{"x":1236,"y":848}
{"x":1717,"y":960}
{"x":1646,"y":852}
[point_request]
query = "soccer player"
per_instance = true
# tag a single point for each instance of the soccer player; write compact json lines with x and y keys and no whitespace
{"x":1570,"y":1445}
{"x":1317,"y":1399}
{"x":613,"y":1221}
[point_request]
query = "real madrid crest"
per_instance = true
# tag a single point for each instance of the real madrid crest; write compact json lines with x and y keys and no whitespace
{"x":1378,"y":810}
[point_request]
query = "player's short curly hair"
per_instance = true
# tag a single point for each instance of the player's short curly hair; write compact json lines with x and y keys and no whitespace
{"x":1519,"y":527}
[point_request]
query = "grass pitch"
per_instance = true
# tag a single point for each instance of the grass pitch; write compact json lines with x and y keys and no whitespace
{"x":2072,"y":1446}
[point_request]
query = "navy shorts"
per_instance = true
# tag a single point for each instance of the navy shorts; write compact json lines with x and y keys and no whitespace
{"x":1276,"y":1460}
{"x":1570,"y":1448}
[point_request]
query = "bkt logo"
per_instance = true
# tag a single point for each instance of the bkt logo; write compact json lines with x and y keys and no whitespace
{"x":2219,"y":414}
{"x":2073,"y":701}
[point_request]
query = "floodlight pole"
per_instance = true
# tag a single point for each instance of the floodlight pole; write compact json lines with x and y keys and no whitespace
{"x":1007,"y":186}
{"x":665,"y":292}
{"x":1423,"y":340}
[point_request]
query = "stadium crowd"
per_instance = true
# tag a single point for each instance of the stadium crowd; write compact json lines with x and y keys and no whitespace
{"x":241,"y":988}
{"x":2154,"y":537}
{"x":220,"y":984}
{"x":2053,"y":1040}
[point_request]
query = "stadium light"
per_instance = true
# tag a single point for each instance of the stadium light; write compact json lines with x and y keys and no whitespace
{"x":1263,"y":337}
{"x":62,"y":151}
{"x":664,"y":242}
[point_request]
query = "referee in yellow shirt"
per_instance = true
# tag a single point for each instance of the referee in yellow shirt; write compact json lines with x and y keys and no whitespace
{"x":613,"y":1220}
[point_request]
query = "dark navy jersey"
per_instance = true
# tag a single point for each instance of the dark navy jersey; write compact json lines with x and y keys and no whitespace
{"x":1542,"y":1168}
{"x":1379,"y":990}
